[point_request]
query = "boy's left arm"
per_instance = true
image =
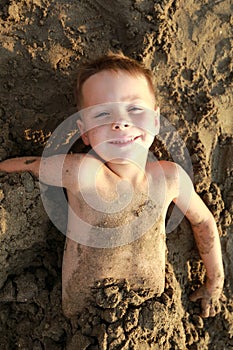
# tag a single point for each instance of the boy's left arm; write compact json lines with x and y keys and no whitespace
{"x":207,"y":240}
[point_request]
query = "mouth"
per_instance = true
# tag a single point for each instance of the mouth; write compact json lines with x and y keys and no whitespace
{"x":124,"y":140}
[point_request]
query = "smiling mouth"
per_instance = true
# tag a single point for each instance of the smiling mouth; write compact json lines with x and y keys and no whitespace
{"x":124,"y":140}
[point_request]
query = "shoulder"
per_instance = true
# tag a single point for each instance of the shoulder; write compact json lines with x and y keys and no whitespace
{"x":86,"y":168}
{"x":81,"y":159}
{"x":168,"y":169}
{"x":66,"y":170}
{"x":164,"y":176}
{"x":85,"y":162}
{"x":175,"y":176}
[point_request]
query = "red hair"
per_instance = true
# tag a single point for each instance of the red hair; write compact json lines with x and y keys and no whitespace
{"x":110,"y":61}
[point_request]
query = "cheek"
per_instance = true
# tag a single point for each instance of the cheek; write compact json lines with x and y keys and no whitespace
{"x":96,"y":135}
{"x":148,"y":125}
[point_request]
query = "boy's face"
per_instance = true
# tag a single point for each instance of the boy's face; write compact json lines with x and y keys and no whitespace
{"x":118,"y":118}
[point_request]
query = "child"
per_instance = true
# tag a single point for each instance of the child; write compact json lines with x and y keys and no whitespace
{"x":117,"y":199}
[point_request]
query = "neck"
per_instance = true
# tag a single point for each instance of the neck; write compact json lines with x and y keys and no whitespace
{"x":134,"y":173}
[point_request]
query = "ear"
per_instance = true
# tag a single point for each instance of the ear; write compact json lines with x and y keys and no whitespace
{"x":84,"y":135}
{"x":157,"y":120}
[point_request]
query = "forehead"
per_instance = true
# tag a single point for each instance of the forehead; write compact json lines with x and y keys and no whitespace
{"x":115,"y":86}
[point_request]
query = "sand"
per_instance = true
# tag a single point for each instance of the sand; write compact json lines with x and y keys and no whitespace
{"x":188,"y":45}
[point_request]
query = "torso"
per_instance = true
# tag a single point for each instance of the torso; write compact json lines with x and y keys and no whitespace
{"x":111,"y":242}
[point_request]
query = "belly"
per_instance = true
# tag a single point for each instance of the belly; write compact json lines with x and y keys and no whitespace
{"x":141,"y":263}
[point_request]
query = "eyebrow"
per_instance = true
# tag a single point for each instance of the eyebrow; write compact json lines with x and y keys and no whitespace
{"x":134,"y":97}
{"x":131,"y":98}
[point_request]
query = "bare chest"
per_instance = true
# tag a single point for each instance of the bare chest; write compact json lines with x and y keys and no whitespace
{"x":105,"y":223}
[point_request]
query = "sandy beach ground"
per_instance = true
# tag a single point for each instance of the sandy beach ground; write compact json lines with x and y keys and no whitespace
{"x":188,"y":45}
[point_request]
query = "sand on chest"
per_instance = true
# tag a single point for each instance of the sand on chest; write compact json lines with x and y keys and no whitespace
{"x":133,"y":249}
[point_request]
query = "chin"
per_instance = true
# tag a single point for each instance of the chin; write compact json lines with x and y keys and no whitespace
{"x":120,"y":161}
{"x":123,"y":156}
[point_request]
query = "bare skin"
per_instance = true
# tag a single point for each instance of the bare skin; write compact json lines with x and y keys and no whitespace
{"x":135,"y":261}
{"x":141,"y":261}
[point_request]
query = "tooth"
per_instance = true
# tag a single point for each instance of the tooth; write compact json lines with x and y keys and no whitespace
{"x":124,"y":141}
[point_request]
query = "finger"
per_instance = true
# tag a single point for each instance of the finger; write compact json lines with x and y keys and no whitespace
{"x":198,"y":294}
{"x":205,"y":307}
{"x":215,"y":308}
{"x":223,"y":297}
{"x":212,"y":311}
{"x":218,"y":307}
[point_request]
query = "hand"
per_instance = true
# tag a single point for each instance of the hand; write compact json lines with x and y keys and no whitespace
{"x":209,"y":296}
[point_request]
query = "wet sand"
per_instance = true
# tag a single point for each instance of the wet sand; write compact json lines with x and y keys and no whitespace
{"x":189,"y":48}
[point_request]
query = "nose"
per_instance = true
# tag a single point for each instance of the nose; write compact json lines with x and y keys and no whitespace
{"x":121,"y":125}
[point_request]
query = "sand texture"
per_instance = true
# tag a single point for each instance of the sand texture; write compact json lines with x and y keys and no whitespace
{"x":188,"y":45}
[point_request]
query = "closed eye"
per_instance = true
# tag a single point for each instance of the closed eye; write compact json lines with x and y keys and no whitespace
{"x":102,"y":114}
{"x":135,"y":109}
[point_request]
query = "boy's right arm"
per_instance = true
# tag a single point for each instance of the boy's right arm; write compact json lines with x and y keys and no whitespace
{"x":12,"y":165}
{"x":59,"y":170}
